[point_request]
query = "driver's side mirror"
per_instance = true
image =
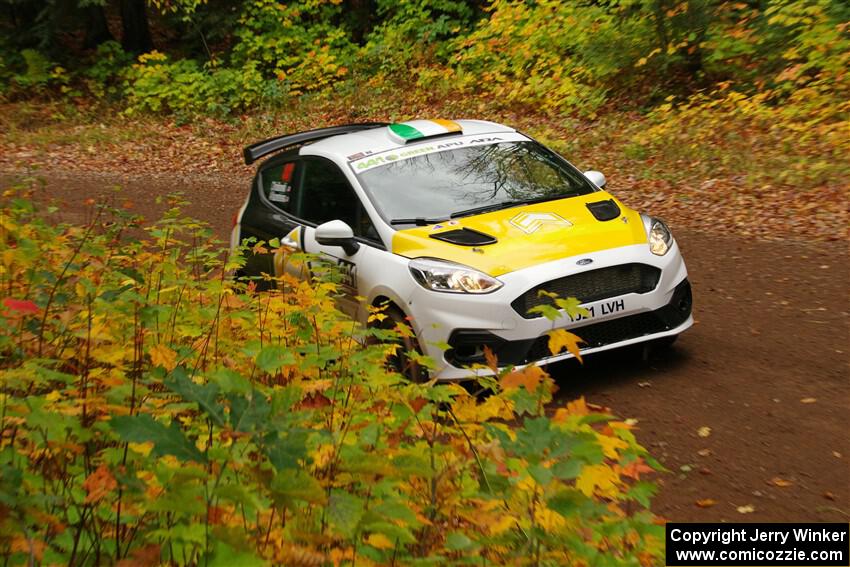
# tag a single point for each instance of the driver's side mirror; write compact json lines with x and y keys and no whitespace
{"x":596,"y":177}
{"x":337,"y":233}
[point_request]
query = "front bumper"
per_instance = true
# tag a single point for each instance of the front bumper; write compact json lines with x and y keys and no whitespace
{"x":454,"y":328}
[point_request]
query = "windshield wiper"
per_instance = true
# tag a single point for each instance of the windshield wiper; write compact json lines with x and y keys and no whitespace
{"x":483,"y":209}
{"x":418,"y":221}
{"x":506,"y":205}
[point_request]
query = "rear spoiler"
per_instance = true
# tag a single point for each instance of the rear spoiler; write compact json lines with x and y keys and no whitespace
{"x":255,"y":151}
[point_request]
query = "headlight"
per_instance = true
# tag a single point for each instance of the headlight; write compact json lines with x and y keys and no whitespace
{"x":437,"y":275}
{"x":660,"y":237}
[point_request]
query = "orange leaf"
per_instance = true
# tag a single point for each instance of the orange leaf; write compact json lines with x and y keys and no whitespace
{"x":492,"y":363}
{"x":529,"y":377}
{"x":706,"y":503}
{"x":635,"y":469}
{"x":147,"y":556}
{"x":780,"y":482}
{"x":99,"y":484}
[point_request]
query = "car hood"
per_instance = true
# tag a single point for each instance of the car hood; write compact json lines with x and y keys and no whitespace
{"x":525,"y":236}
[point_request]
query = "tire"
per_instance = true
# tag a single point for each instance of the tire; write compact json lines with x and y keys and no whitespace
{"x":400,"y":361}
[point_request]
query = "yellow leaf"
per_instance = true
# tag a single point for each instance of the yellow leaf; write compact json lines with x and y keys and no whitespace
{"x":323,"y":455}
{"x":379,"y":541}
{"x":559,"y":339}
{"x":781,"y":482}
{"x":704,"y":431}
{"x":706,"y":503}
{"x":503,"y":524}
{"x":610,"y":445}
{"x":548,"y":519}
{"x":162,"y":355}
{"x":599,"y":479}
{"x":749,"y":509}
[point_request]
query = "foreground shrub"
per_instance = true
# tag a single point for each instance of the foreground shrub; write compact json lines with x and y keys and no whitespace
{"x":154,"y":411}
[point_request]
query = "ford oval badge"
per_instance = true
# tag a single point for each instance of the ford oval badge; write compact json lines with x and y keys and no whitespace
{"x":584,"y":262}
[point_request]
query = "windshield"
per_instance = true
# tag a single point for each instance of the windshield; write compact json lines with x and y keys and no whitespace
{"x":470,"y":180}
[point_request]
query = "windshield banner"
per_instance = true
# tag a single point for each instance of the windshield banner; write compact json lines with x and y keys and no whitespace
{"x":370,"y":161}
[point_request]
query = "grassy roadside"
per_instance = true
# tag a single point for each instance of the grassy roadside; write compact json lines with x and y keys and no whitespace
{"x":719,"y":168}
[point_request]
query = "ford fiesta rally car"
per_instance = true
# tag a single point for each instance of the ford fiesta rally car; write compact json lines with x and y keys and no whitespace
{"x":458,"y":226}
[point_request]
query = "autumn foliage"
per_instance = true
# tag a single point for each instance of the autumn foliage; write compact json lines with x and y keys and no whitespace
{"x":154,"y":411}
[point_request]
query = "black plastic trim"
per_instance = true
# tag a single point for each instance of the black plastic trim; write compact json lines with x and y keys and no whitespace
{"x":260,"y":149}
{"x":465,"y":237}
{"x":604,"y":210}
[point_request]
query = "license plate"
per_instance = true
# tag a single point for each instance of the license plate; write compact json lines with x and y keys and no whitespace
{"x":601,"y":309}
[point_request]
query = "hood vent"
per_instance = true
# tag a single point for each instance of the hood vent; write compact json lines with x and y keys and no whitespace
{"x":464,"y":237}
{"x":604,"y":210}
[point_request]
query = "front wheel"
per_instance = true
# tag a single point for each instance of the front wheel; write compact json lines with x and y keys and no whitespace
{"x":401,"y":361}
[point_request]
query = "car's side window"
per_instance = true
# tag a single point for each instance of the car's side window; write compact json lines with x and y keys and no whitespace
{"x":325,"y":194}
{"x":277,"y":182}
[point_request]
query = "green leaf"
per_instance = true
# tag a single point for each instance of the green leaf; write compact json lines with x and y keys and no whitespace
{"x":205,"y":395}
{"x":272,"y":357}
{"x":457,"y":541}
{"x":230,"y":381}
{"x":567,"y":470}
{"x":288,"y":487}
{"x":166,"y":440}
{"x":247,"y":412}
{"x":540,"y":474}
{"x":642,"y":492}
{"x":286,"y":452}
{"x":345,"y":511}
{"x":225,"y":556}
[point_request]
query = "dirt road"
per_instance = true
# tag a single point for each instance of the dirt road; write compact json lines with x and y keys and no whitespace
{"x":765,"y":367}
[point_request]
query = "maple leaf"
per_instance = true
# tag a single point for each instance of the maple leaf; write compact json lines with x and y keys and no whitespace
{"x":598,"y":479}
{"x":529,"y":377}
{"x":490,"y":357}
{"x":98,"y":484}
{"x":559,"y":339}
{"x":610,"y":445}
{"x":576,"y":407}
{"x":162,"y":355}
{"x":21,"y":306}
{"x":635,"y":469}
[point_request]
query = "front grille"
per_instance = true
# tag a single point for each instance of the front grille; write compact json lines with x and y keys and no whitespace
{"x":592,"y":285}
{"x":467,"y":345}
{"x":629,"y":327}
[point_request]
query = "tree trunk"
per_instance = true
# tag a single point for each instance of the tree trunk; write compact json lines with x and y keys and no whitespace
{"x":134,"y":22}
{"x":97,"y":31}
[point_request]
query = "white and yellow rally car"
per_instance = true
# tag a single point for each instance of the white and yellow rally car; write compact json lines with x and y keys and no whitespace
{"x":459,"y":226}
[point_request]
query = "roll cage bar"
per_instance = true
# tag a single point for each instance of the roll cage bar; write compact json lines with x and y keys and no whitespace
{"x":255,"y":151}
